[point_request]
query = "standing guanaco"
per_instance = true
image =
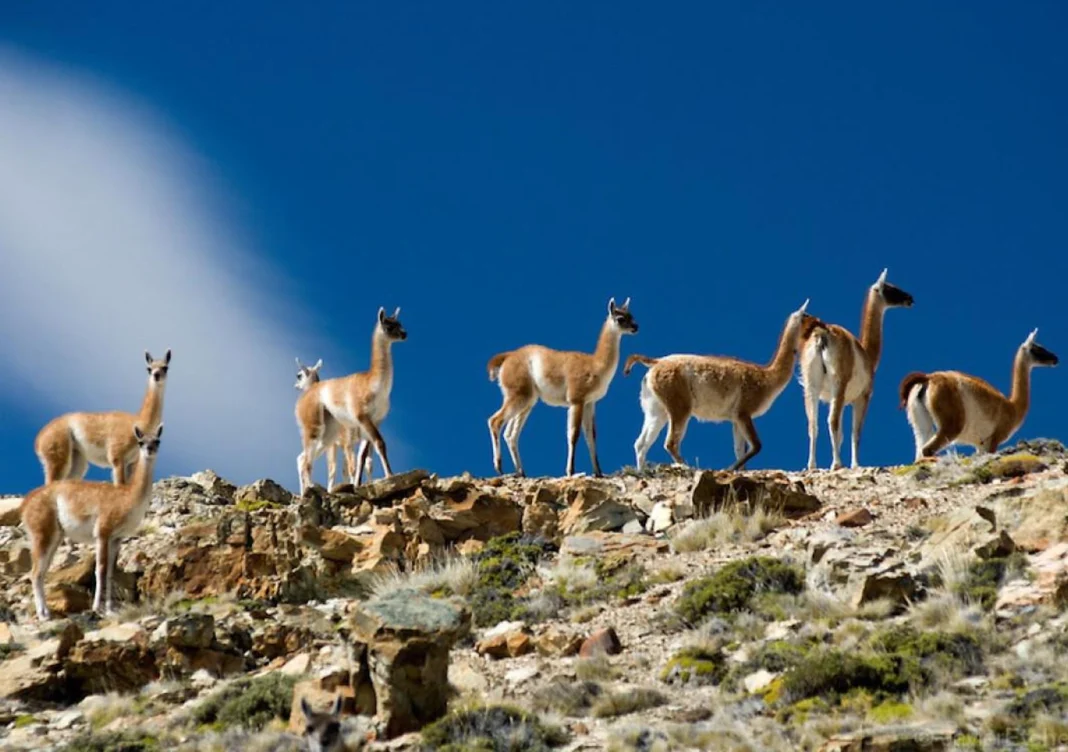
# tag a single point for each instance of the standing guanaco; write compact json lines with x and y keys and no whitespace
{"x":89,"y":512}
{"x":574,"y":380}
{"x":712,"y":388}
{"x":67,"y":445}
{"x":306,"y":376}
{"x":950,"y":407}
{"x":359,"y":401}
{"x":838,"y":368}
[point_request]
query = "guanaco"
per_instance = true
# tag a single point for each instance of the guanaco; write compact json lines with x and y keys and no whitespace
{"x":712,"y":388}
{"x":89,"y":512}
{"x":838,"y":368}
{"x":68,"y":444}
{"x":323,"y":731}
{"x":574,"y":380}
{"x":359,"y":401}
{"x":306,"y":376}
{"x":950,"y":407}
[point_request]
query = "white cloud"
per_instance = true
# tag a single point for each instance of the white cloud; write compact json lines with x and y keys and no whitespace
{"x":112,"y":242}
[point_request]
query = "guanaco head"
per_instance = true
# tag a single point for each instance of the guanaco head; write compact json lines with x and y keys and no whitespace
{"x":795,"y":321}
{"x":1036,"y":354}
{"x":322,"y":731}
{"x":391,"y":325}
{"x":148,"y":444}
{"x":307,"y":375}
{"x":157,"y":369}
{"x":620,"y":316}
{"x":891,"y":296}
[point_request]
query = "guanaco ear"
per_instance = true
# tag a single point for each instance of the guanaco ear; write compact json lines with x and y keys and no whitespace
{"x":318,"y":365}
{"x":804,"y":306}
{"x":336,"y":709}
{"x":626,"y":305}
{"x":148,"y":358}
{"x":882,"y":278}
{"x":139,"y":434}
{"x":299,"y":364}
{"x":381,"y":314}
{"x":1031,"y":337}
{"x":306,"y":708}
{"x":167,"y":357}
{"x":159,"y":431}
{"x":611,"y":305}
{"x":396,"y":313}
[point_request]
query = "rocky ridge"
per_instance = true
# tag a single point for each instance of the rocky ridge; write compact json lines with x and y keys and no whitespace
{"x":674,"y":609}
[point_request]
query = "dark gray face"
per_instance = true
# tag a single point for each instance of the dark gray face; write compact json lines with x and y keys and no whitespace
{"x":391,"y":326}
{"x":894,"y":296}
{"x":1041,"y":356}
{"x":148,"y":443}
{"x":625,"y":321}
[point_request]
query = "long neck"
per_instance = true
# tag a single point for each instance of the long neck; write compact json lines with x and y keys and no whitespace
{"x":1021,"y":386}
{"x":606,"y":356}
{"x":152,"y":405}
{"x":781,"y":365}
{"x":381,"y":360}
{"x":871,"y":328}
{"x":140,"y":485}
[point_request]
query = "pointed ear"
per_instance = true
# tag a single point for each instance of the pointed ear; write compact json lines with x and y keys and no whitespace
{"x":159,"y":431}
{"x":148,"y":358}
{"x":299,"y":365}
{"x":1031,"y":337}
{"x":381,"y":314}
{"x":139,"y":434}
{"x":336,"y":709}
{"x":396,"y":313}
{"x":167,"y":357}
{"x":306,"y":708}
{"x":626,"y":305}
{"x":611,"y":304}
{"x":882,"y":278}
{"x":318,"y":365}
{"x":804,"y":306}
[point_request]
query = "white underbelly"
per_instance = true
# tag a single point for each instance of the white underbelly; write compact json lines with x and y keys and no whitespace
{"x":77,"y":529}
{"x":979,"y":426}
{"x":96,"y":454}
{"x":551,"y":392}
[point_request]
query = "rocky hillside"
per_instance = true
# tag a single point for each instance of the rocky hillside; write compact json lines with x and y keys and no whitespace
{"x":906,"y":608}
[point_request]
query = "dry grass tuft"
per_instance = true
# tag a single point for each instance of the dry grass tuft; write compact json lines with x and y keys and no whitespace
{"x":453,"y":575}
{"x":630,"y":700}
{"x":725,"y":527}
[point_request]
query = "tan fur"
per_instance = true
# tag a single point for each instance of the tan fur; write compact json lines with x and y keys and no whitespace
{"x":575,"y":380}
{"x":839,"y":368}
{"x":359,"y":402}
{"x":67,"y":445}
{"x":346,"y":438}
{"x":88,"y":512}
{"x":950,"y":407}
{"x":713,"y":388}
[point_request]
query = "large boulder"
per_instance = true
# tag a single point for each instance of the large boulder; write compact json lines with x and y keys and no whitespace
{"x":593,"y":504}
{"x":720,"y":489}
{"x":405,"y":637}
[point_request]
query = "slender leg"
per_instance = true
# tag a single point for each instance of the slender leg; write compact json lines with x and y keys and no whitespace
{"x":834,"y":425}
{"x":589,"y":429}
{"x":79,"y":465}
{"x":748,"y":431}
{"x":940,"y":441}
{"x":923,"y":427}
{"x":860,"y":409}
{"x":331,"y":467}
{"x":739,"y":442}
{"x":511,"y":437}
{"x":43,"y":550}
{"x":812,"y":378}
{"x":677,"y":423}
{"x":113,"y":556}
{"x":370,"y":431}
{"x":496,"y":422}
{"x":947,"y":405}
{"x":654,"y":420}
{"x":574,"y":426}
{"x":102,"y":555}
{"x":363,"y":461}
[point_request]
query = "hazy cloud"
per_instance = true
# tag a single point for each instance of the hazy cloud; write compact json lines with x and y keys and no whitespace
{"x":112,"y":242}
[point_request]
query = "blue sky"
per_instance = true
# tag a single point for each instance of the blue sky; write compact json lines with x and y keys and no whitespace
{"x":500,"y":170}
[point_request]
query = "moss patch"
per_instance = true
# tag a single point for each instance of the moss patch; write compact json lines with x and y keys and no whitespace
{"x":495,"y":728}
{"x":695,"y":665}
{"x":1014,"y":465}
{"x":504,"y":564}
{"x":889,"y":712}
{"x":735,"y":586}
{"x":248,"y":703}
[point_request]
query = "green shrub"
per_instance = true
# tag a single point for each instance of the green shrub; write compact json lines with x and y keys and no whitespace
{"x":734,"y":587}
{"x":984,"y":577}
{"x":954,"y":654}
{"x":494,"y":728}
{"x":504,"y":564}
{"x":248,"y":703}
{"x":695,"y":665}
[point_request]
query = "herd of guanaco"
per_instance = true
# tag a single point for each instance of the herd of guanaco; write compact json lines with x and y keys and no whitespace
{"x":837,"y":367}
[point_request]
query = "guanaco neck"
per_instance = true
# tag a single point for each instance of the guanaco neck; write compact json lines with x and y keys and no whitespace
{"x":140,"y":488}
{"x":871,"y":328}
{"x":606,"y":356}
{"x":781,"y":365}
{"x":381,"y":360}
{"x":1020,"y":399}
{"x":152,"y":405}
